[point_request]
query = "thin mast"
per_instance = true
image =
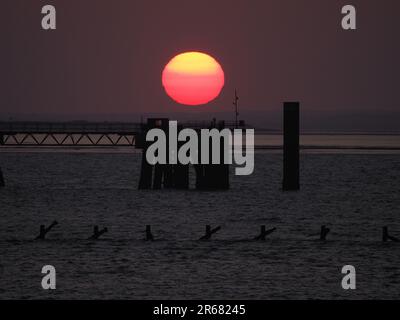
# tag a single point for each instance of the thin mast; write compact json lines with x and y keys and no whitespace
{"x":236,"y":104}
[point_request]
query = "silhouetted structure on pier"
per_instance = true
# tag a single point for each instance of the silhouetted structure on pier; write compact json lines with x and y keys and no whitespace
{"x":291,"y":142}
{"x":176,"y":176}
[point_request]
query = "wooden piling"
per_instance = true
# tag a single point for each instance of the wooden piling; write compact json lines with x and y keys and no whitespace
{"x":324,"y":232}
{"x":149,"y":235}
{"x":158,"y":176}
{"x":43,"y":230}
{"x":148,"y":178}
{"x":291,"y":147}
{"x":213,"y":176}
{"x":264,"y":233}
{"x":386,"y":237}
{"x":181,"y":176}
{"x":2,"y":182}
{"x":42,"y":233}
{"x":97,"y":233}
{"x":385,"y":234}
{"x":210,"y":232}
{"x":179,"y":172}
{"x":161,"y":176}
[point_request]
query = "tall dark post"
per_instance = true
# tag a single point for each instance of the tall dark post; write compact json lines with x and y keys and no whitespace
{"x":149,"y":235}
{"x":2,"y":183}
{"x":291,"y":166}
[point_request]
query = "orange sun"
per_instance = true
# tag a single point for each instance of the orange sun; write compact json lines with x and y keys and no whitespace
{"x":193,"y":78}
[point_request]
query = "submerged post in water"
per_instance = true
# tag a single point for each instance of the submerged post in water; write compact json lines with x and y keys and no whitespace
{"x":149,"y":235}
{"x":43,"y":230}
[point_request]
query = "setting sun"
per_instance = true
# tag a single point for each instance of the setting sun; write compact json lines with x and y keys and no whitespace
{"x":193,"y":78}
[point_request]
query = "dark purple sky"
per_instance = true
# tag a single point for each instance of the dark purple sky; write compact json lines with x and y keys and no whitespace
{"x":105,"y":60}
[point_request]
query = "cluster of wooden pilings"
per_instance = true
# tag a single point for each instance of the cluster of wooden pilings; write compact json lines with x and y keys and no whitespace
{"x":176,"y":176}
{"x":216,"y":176}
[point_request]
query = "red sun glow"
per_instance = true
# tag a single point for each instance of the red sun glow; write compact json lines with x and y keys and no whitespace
{"x":193,"y":78}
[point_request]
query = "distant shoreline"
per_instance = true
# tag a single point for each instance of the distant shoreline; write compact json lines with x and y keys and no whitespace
{"x":264,"y":147}
{"x":310,"y":133}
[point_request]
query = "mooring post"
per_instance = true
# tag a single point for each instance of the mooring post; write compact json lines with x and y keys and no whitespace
{"x":149,"y":235}
{"x":291,"y":147}
{"x":2,"y":182}
{"x":324,"y":232}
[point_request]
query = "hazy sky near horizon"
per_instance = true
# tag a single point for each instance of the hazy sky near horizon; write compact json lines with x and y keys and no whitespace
{"x":106,"y":57}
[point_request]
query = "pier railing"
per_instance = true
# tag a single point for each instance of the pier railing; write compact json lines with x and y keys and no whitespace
{"x":13,"y":127}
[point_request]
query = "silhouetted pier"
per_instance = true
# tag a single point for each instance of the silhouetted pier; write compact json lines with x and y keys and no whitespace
{"x":108,"y":134}
{"x":209,"y":176}
{"x":81,"y":133}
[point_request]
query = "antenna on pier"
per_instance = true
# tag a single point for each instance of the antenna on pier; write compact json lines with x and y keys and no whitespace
{"x":236,"y":104}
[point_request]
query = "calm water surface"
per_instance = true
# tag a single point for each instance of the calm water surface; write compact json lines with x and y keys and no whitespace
{"x":355,"y":194}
